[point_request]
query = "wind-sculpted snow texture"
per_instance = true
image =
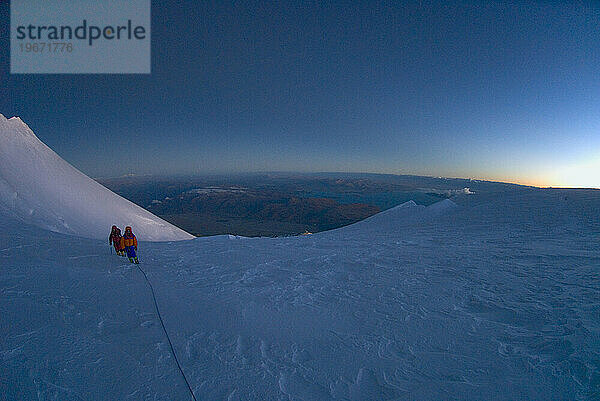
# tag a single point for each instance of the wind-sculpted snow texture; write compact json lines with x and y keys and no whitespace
{"x":479,"y":298}
{"x":40,"y":188}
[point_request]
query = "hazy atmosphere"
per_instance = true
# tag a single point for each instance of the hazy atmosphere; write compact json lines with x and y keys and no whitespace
{"x":506,"y":91}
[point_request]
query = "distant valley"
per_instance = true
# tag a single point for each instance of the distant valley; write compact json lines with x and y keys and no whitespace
{"x":274,"y":204}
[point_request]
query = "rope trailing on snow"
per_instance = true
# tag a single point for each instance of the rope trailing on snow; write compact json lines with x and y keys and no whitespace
{"x":167,"y":334}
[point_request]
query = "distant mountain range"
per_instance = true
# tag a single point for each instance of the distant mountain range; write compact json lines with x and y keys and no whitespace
{"x":279,"y":204}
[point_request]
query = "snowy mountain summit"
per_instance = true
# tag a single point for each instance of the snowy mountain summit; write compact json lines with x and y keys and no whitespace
{"x":38,"y":187}
{"x":490,"y":296}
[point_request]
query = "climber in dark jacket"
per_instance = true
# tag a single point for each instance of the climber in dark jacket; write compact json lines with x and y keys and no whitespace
{"x":115,"y":239}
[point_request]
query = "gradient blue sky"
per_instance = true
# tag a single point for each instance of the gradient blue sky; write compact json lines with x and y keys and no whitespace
{"x":497,"y":90}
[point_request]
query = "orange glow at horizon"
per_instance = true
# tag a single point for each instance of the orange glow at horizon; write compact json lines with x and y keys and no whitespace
{"x":579,"y":175}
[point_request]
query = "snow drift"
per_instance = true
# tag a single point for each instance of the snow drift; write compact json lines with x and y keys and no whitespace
{"x":485,"y":297}
{"x":38,"y":187}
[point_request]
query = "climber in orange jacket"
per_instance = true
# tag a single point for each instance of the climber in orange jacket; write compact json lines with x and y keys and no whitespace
{"x":130,"y":245}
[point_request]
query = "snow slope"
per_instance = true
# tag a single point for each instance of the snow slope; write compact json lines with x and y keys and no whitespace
{"x":485,"y":297}
{"x":39,"y":187}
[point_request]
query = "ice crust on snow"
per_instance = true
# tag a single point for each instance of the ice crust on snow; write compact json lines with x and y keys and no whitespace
{"x":482,"y":297}
{"x":39,"y":187}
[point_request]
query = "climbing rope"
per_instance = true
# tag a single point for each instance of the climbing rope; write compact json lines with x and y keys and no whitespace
{"x":167,"y":334}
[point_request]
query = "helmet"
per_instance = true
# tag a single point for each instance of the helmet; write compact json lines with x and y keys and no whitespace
{"x":114,"y":227}
{"x":128,"y":228}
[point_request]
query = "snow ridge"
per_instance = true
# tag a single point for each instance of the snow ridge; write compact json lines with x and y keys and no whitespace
{"x":38,"y":187}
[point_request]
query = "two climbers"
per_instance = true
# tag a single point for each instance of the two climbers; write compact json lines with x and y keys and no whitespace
{"x":124,"y":244}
